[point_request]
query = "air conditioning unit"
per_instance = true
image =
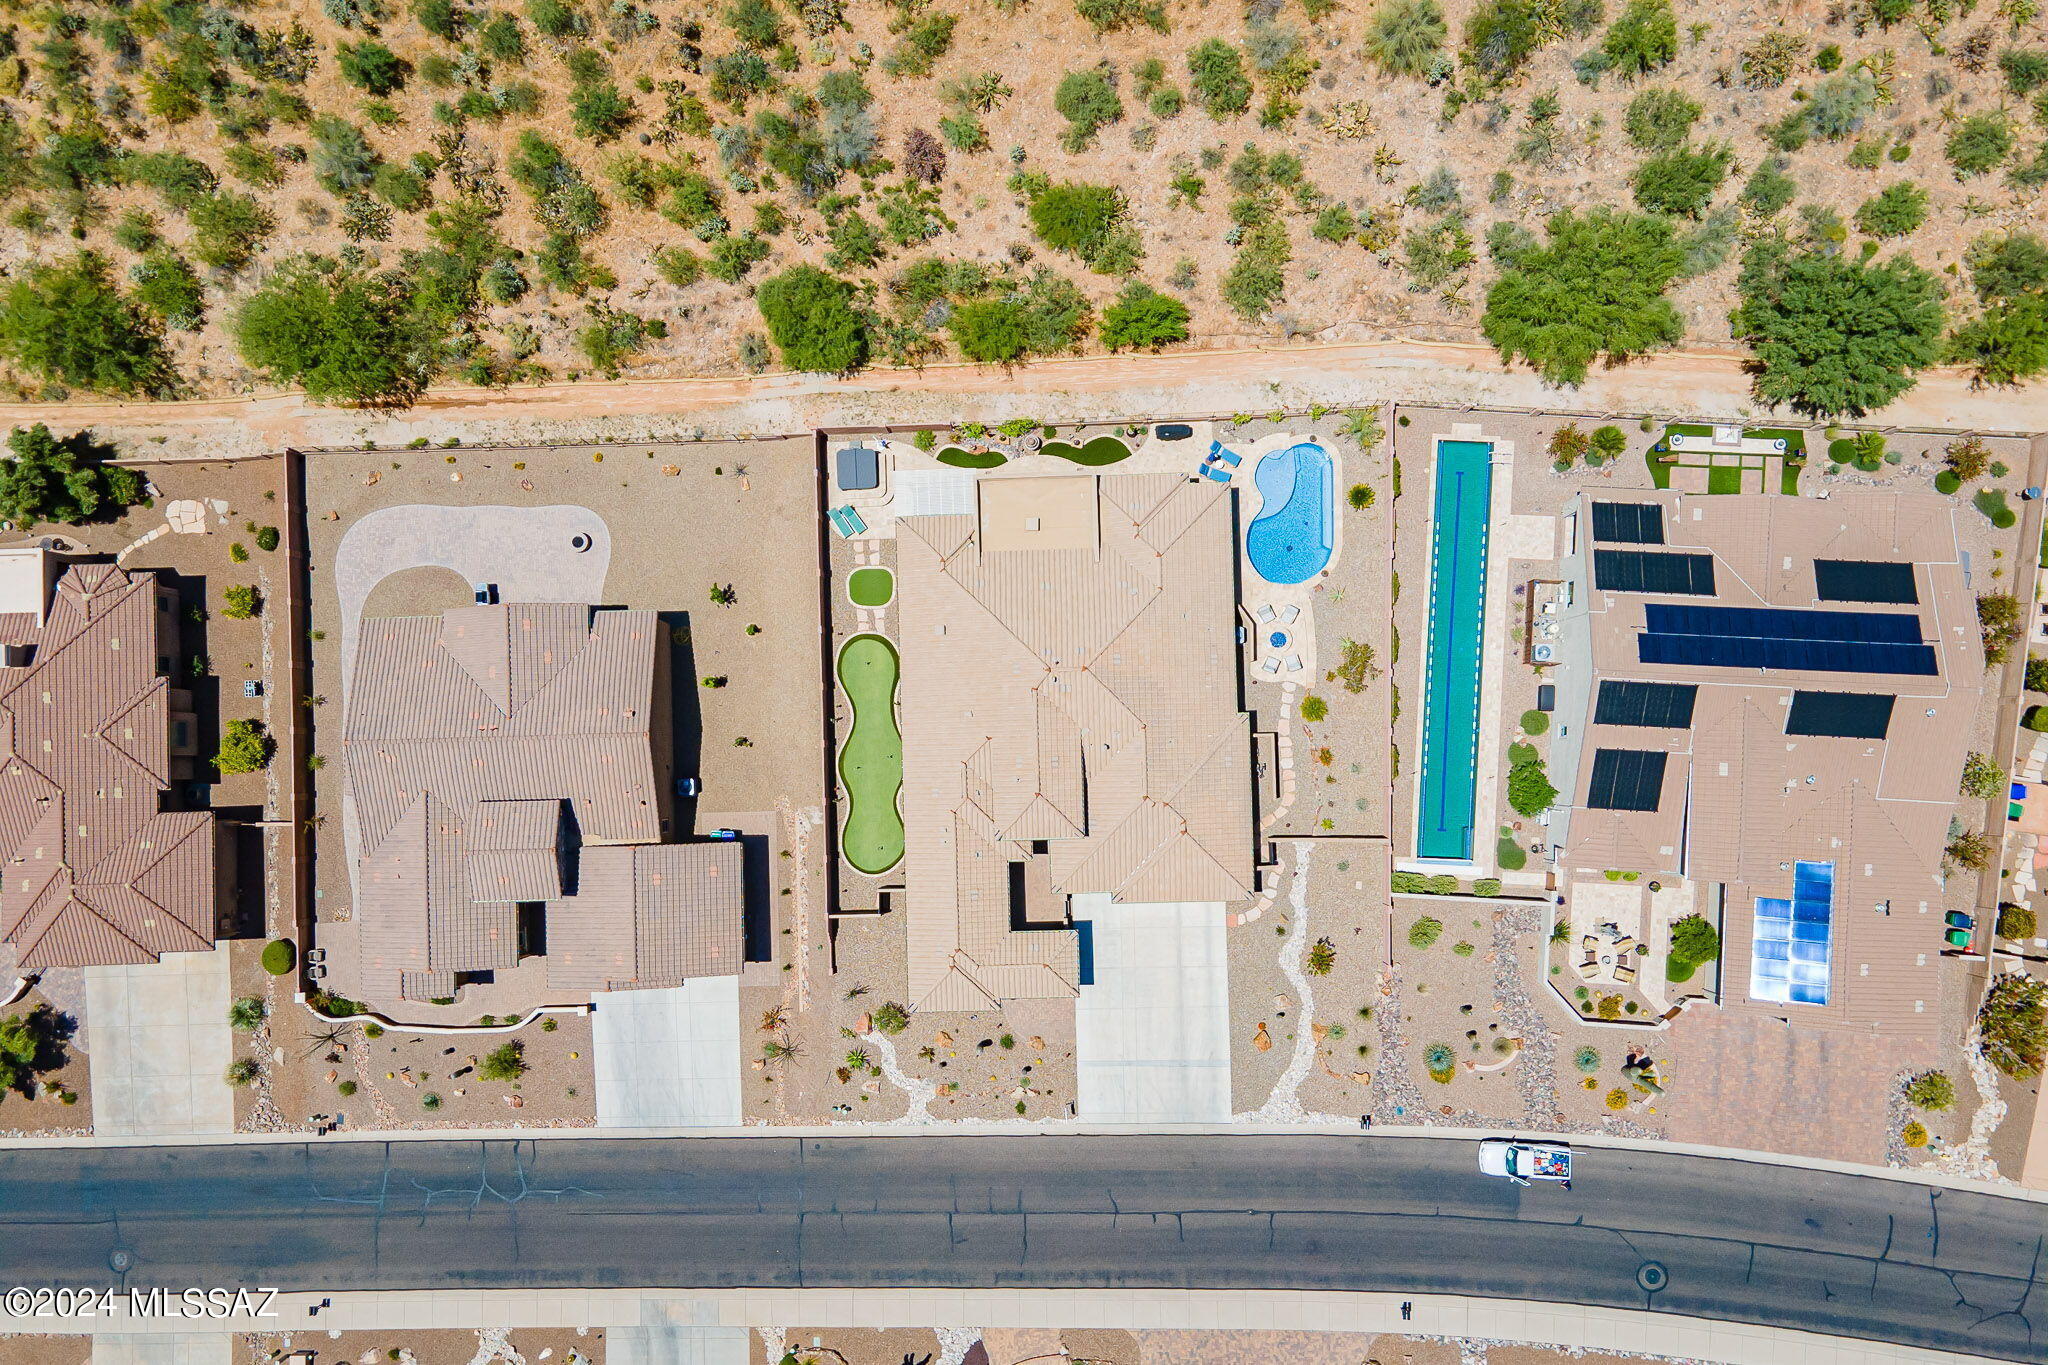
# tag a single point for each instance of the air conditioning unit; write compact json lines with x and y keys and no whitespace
{"x":1543,"y":652}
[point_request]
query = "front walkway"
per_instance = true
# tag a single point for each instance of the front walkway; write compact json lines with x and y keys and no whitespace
{"x":1152,"y":1034}
{"x":677,"y":1332}
{"x":668,"y":1058}
{"x":158,"y":1042}
{"x":142,"y":1348}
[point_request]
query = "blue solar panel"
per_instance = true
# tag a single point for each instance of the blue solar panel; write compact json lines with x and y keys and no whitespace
{"x":1791,"y":939}
{"x":1785,"y":638}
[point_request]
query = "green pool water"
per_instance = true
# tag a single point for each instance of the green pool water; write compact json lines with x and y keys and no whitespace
{"x":870,"y":587}
{"x":871,"y":760}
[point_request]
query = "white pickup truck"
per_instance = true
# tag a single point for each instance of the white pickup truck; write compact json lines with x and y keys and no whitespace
{"x":1522,"y":1162}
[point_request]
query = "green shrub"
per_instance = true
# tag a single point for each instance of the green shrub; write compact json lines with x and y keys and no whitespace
{"x":1425,"y":932}
{"x":370,"y":66}
{"x":68,"y":323}
{"x":241,"y":1072}
{"x":1076,"y":217}
{"x":343,"y":335}
{"x":2016,"y":922}
{"x":1486,"y":886}
{"x":813,"y":321}
{"x":245,"y":747}
{"x":1405,"y":36}
{"x":1143,"y":318}
{"x":64,"y":481}
{"x":506,"y":1062}
{"x":1586,"y":1060}
{"x":2012,"y":1026}
{"x":1883,"y":324}
{"x":1216,"y":71}
{"x":240,"y":602}
{"x":1442,"y":884}
{"x":2037,"y":674}
{"x":1441,"y":1062}
{"x":1088,"y":102}
{"x":1658,"y":120}
{"x":1682,"y":181}
{"x":1982,"y":778}
{"x":1535,"y":722}
{"x":279,"y":956}
{"x":246,"y":1014}
{"x":1314,"y":708}
{"x":891,"y":1018}
{"x":1529,"y":788}
{"x":1644,"y":38}
{"x":1894,"y":211}
{"x":1594,"y":290}
{"x":1980,"y":143}
{"x":1694,"y":939}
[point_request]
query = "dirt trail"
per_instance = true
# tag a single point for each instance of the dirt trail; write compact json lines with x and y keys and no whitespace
{"x":1338,"y":374}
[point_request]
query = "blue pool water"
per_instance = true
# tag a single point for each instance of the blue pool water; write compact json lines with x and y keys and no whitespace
{"x":1290,"y":541}
{"x":1457,"y":616}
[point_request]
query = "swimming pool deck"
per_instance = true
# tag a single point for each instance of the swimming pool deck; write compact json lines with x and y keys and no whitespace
{"x":1445,"y":798}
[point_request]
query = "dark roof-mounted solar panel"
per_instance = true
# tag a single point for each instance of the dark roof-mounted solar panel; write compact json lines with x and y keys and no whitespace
{"x":1631,"y":523}
{"x":1653,"y":571}
{"x":1626,"y":779}
{"x":1665,"y":706}
{"x":1841,"y":715}
{"x":1785,"y":638}
{"x":1864,"y":580}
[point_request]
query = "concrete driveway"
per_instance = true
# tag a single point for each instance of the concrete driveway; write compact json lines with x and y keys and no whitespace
{"x":668,"y":1058}
{"x":1153,"y":1031}
{"x":158,"y":1041}
{"x":677,"y":1334}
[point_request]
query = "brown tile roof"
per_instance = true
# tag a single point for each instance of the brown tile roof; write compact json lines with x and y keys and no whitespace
{"x":95,"y":873}
{"x":483,"y":746}
{"x":1742,"y":800}
{"x":1070,"y":665}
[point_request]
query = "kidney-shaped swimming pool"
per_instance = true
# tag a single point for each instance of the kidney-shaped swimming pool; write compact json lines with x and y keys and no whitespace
{"x":1291,"y":539}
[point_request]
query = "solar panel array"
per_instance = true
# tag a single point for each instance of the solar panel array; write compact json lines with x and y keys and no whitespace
{"x":1626,"y":779}
{"x":1842,"y":715}
{"x":1666,"y":706}
{"x":1633,"y":523}
{"x":1654,"y":571}
{"x":1864,"y":580}
{"x":1788,"y":954}
{"x":1785,"y":637}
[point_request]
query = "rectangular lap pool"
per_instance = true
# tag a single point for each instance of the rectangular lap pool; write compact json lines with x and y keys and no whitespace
{"x":1457,"y":615}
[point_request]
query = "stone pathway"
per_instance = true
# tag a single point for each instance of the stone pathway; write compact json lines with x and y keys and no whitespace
{"x":1284,"y":1104}
{"x":921,"y":1092}
{"x":1536,"y":1064}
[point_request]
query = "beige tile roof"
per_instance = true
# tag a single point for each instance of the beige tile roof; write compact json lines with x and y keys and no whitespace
{"x":1743,"y":801}
{"x":473,"y":741}
{"x":95,"y":873}
{"x":649,"y":916}
{"x":1079,"y":690}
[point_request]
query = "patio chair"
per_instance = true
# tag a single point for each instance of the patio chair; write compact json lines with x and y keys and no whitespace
{"x":1291,"y":615}
{"x":1624,"y":974}
{"x":1589,"y":968}
{"x":1590,"y":944}
{"x":1265,"y":613}
{"x":1269,"y":665}
{"x":1294,"y":663}
{"x":1624,"y":944}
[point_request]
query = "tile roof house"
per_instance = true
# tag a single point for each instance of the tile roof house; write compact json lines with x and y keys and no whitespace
{"x":97,"y":871}
{"x":1070,"y":662}
{"x":506,"y":772}
{"x":1772,"y":696}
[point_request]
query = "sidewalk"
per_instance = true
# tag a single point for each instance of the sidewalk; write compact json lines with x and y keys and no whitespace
{"x":1501,"y":1320}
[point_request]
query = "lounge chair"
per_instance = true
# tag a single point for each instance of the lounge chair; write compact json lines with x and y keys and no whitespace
{"x":1590,"y":944}
{"x":1228,"y":457}
{"x":1219,"y":475}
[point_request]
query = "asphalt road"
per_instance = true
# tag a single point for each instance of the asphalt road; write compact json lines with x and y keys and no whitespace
{"x":1858,"y":1256}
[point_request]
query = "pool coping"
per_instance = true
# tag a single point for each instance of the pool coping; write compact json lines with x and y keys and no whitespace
{"x":1475,"y":863}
